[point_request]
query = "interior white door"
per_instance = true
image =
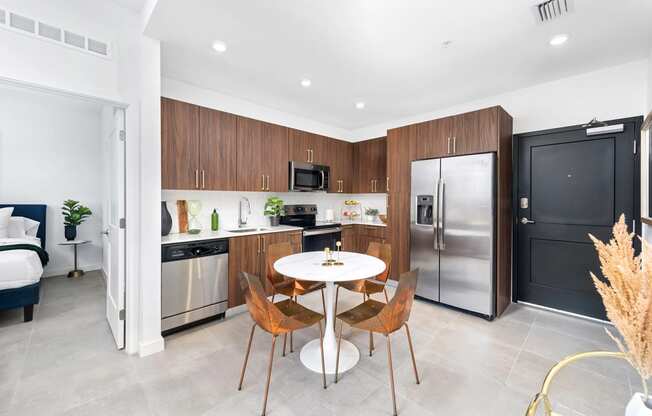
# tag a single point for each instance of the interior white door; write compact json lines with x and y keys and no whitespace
{"x":114,"y":233}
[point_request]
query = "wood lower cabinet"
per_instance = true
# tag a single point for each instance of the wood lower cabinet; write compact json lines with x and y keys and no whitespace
{"x":398,"y":231}
{"x":262,"y":156}
{"x":248,"y":253}
{"x":179,"y":145}
{"x":349,"y":239}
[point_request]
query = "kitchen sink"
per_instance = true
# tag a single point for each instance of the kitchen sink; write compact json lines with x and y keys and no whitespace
{"x":247,"y":230}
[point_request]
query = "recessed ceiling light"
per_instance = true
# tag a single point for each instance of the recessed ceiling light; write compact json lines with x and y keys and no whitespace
{"x":306,"y":82}
{"x":446,"y":43}
{"x":359,"y":105}
{"x":219,"y":46}
{"x":558,"y":40}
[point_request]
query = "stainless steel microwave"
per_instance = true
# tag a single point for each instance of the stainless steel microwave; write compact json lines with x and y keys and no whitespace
{"x":306,"y":177}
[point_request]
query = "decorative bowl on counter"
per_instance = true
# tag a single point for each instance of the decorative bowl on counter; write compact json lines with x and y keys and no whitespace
{"x":383,"y":218}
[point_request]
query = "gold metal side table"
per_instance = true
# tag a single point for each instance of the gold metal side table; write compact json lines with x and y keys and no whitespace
{"x":77,"y":272}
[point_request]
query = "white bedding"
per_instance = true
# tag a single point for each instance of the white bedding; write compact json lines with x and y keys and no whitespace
{"x":19,"y":268}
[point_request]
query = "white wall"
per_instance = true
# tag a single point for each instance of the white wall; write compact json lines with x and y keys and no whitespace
{"x":212,"y":99}
{"x":227,"y":203}
{"x":609,"y":93}
{"x":50,"y":151}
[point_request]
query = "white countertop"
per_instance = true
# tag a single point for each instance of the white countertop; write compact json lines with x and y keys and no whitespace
{"x":362,"y":222}
{"x":209,"y":235}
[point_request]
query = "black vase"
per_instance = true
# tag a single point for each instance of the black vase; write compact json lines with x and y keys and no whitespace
{"x":70,"y":232}
{"x":166,"y":219}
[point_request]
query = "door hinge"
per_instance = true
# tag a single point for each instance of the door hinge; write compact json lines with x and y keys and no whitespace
{"x":123,"y":223}
{"x":122,"y":314}
{"x":123,"y":135}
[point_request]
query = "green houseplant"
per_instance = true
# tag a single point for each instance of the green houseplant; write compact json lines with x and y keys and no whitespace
{"x":371,"y":214}
{"x":73,"y":215}
{"x":274,"y":210}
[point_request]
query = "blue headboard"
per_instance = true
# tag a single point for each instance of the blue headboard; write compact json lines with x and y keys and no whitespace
{"x":35,"y":212}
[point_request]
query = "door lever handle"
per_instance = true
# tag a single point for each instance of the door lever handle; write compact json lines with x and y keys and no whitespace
{"x":525,"y":221}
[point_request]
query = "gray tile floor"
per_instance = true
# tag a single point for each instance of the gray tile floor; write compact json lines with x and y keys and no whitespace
{"x":65,"y":363}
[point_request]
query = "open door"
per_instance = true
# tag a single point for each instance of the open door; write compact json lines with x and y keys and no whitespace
{"x":114,"y":214}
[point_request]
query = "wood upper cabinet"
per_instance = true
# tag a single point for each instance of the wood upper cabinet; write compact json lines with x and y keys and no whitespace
{"x":308,"y":147}
{"x":179,"y":145}
{"x":217,"y":154}
{"x":340,"y":160}
{"x":261,"y":156}
{"x":401,"y":149}
{"x":370,"y":160}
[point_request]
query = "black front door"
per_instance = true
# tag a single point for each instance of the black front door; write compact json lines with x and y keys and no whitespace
{"x":569,"y":185}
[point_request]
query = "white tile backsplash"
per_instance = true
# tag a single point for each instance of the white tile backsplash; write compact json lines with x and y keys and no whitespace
{"x":226,"y":204}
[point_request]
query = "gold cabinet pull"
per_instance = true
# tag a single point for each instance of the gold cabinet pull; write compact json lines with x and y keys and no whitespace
{"x":203,"y":179}
{"x":387,"y":184}
{"x":268,"y":182}
{"x":197,"y":178}
{"x":454,"y":145}
{"x":308,"y":155}
{"x":449,"y":146}
{"x":262,"y":187}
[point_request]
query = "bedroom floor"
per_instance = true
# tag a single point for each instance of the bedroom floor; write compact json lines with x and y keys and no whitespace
{"x":65,"y":363}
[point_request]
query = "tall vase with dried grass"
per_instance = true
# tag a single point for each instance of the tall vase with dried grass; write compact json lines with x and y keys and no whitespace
{"x":627,"y":297}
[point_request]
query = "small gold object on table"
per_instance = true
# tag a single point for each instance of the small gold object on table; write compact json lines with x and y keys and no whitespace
{"x":329,"y":260}
{"x":338,"y":262}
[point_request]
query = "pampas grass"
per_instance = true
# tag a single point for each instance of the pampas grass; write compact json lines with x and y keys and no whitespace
{"x":627,"y":296}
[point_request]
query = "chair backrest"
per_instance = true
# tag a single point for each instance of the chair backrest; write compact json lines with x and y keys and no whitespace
{"x":383,"y":252}
{"x":273,"y":253}
{"x":397,"y":311}
{"x":262,"y":310}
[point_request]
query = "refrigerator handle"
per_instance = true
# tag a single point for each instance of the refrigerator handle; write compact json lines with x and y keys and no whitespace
{"x":435,"y":222}
{"x":441,"y":214}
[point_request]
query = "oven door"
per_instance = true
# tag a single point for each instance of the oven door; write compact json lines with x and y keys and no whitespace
{"x":308,"y":177}
{"x":318,"y":240}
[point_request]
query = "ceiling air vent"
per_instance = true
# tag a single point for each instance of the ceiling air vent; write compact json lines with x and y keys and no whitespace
{"x":50,"y":32}
{"x":21,"y":22}
{"x":60,"y":35}
{"x":552,"y":10}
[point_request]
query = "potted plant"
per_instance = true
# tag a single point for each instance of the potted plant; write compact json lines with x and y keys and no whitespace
{"x":627,"y":295}
{"x":371,"y":214}
{"x":274,"y":210}
{"x":73,"y":215}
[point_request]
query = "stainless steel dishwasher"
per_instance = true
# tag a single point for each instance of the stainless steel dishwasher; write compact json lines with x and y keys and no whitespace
{"x":194,"y":283}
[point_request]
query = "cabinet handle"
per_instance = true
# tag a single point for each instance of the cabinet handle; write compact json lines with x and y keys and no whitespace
{"x":197,"y":178}
{"x":203,"y":179}
{"x":342,"y":185}
{"x":454,"y":144}
{"x":262,"y":187}
{"x":258,"y":245}
{"x":268,"y":182}
{"x":312,"y":156}
{"x":308,"y":155}
{"x":387,"y":184}
{"x":449,"y":146}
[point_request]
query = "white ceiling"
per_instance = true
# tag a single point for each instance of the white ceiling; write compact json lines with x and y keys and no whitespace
{"x":387,"y":53}
{"x":133,"y":5}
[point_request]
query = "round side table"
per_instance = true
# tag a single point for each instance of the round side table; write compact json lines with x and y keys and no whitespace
{"x":77,"y":272}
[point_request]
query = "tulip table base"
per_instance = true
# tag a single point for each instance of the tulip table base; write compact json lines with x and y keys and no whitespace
{"x":349,"y":354}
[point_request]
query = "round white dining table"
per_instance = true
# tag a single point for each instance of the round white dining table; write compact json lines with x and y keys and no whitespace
{"x":308,"y":266}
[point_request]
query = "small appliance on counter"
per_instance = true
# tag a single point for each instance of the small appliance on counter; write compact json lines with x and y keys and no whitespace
{"x":316,"y":235}
{"x":194,"y":283}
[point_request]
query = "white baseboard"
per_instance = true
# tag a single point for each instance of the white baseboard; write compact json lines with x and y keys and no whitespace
{"x":62,"y":271}
{"x":151,"y":347}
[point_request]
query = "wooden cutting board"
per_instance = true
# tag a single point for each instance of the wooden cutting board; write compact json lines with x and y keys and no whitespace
{"x":182,"y":215}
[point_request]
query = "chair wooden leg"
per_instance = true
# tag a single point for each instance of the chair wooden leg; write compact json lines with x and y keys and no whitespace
{"x":337,"y":357}
{"x":414,"y":362}
{"x":292,"y":333}
{"x":391,"y":373}
{"x":386,"y":297}
{"x":321,"y":350}
{"x":269,"y":374}
{"x":244,"y":365}
{"x":285,"y":341}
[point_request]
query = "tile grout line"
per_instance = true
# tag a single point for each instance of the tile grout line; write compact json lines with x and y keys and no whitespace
{"x":520,"y":350}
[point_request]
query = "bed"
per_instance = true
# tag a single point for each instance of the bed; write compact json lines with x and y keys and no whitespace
{"x":21,"y":270}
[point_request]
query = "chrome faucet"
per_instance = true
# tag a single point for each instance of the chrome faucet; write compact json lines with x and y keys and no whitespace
{"x":243,"y":222}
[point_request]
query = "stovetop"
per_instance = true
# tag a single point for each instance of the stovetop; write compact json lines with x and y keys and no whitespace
{"x":305,"y":216}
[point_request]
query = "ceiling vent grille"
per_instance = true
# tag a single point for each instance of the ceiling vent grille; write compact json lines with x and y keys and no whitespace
{"x":552,"y":9}
{"x":61,"y":36}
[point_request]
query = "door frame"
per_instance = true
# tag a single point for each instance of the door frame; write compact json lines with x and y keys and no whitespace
{"x":637,"y":120}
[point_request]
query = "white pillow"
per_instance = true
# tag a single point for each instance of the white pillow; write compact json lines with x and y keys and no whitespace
{"x":5,"y":214}
{"x":21,"y":227}
{"x":31,"y":227}
{"x":16,"y":227}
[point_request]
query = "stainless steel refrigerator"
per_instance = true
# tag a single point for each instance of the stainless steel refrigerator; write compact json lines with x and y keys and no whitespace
{"x":452,"y":230}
